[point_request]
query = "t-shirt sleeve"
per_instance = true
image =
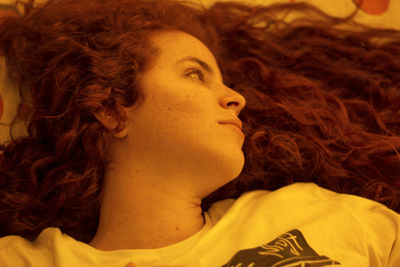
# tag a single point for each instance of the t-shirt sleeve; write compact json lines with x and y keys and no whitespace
{"x":381,"y":225}
{"x":394,"y":256}
{"x":12,"y":252}
{"x":16,"y":251}
{"x":384,"y":225}
{"x":387,"y":234}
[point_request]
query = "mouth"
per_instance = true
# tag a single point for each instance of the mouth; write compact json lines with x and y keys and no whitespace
{"x":235,"y":128}
{"x":235,"y":122}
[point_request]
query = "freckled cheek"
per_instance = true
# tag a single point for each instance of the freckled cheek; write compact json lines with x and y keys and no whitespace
{"x":189,"y":109}
{"x":181,"y":111}
{"x":183,"y":120}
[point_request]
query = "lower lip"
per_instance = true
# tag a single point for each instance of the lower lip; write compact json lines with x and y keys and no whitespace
{"x":234,"y":127}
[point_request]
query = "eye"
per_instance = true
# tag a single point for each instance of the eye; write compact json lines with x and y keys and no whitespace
{"x":197,"y":72}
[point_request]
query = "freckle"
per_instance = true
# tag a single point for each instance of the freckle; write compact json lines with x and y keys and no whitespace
{"x":177,"y":228}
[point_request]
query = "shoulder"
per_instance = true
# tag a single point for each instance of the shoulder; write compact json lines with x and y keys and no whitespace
{"x":304,"y":192}
{"x":309,"y":199}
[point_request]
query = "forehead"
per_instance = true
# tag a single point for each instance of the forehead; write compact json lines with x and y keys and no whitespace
{"x":175,"y":45}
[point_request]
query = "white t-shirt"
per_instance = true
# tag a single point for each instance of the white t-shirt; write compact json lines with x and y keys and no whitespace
{"x":298,"y":225}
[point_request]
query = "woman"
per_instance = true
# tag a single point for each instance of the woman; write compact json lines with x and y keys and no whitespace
{"x":132,"y":155}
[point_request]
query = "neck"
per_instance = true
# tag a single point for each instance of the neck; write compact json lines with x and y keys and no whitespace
{"x":145,"y":218}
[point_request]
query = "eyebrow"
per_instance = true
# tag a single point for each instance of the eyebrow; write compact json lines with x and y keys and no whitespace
{"x":203,"y":64}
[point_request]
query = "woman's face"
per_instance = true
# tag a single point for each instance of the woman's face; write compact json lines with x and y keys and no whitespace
{"x":177,"y":127}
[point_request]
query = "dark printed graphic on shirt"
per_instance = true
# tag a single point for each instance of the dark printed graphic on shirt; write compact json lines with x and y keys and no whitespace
{"x":289,"y":249}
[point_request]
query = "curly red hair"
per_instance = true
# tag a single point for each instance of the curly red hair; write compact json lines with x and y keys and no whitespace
{"x":322,"y":101}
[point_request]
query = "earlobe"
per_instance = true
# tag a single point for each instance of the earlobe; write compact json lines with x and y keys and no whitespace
{"x":106,"y":120}
{"x":110,"y":123}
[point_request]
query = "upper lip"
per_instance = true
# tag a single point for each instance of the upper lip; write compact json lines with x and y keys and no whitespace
{"x":235,"y":122}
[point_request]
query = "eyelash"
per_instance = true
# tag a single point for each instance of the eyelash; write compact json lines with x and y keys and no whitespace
{"x":197,"y":71}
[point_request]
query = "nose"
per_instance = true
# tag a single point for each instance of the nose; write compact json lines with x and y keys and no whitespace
{"x":233,"y":100}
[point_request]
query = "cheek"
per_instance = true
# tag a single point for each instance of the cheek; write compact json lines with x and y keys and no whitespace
{"x":179,"y":100}
{"x":177,"y":107}
{"x":190,"y":107}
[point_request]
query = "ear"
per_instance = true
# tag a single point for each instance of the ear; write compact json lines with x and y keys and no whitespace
{"x":110,"y":123}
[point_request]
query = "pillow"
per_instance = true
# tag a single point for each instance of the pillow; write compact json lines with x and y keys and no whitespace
{"x":9,"y":95}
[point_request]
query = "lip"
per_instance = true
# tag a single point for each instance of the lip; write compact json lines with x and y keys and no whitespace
{"x":235,"y":128}
{"x":234,"y":122}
